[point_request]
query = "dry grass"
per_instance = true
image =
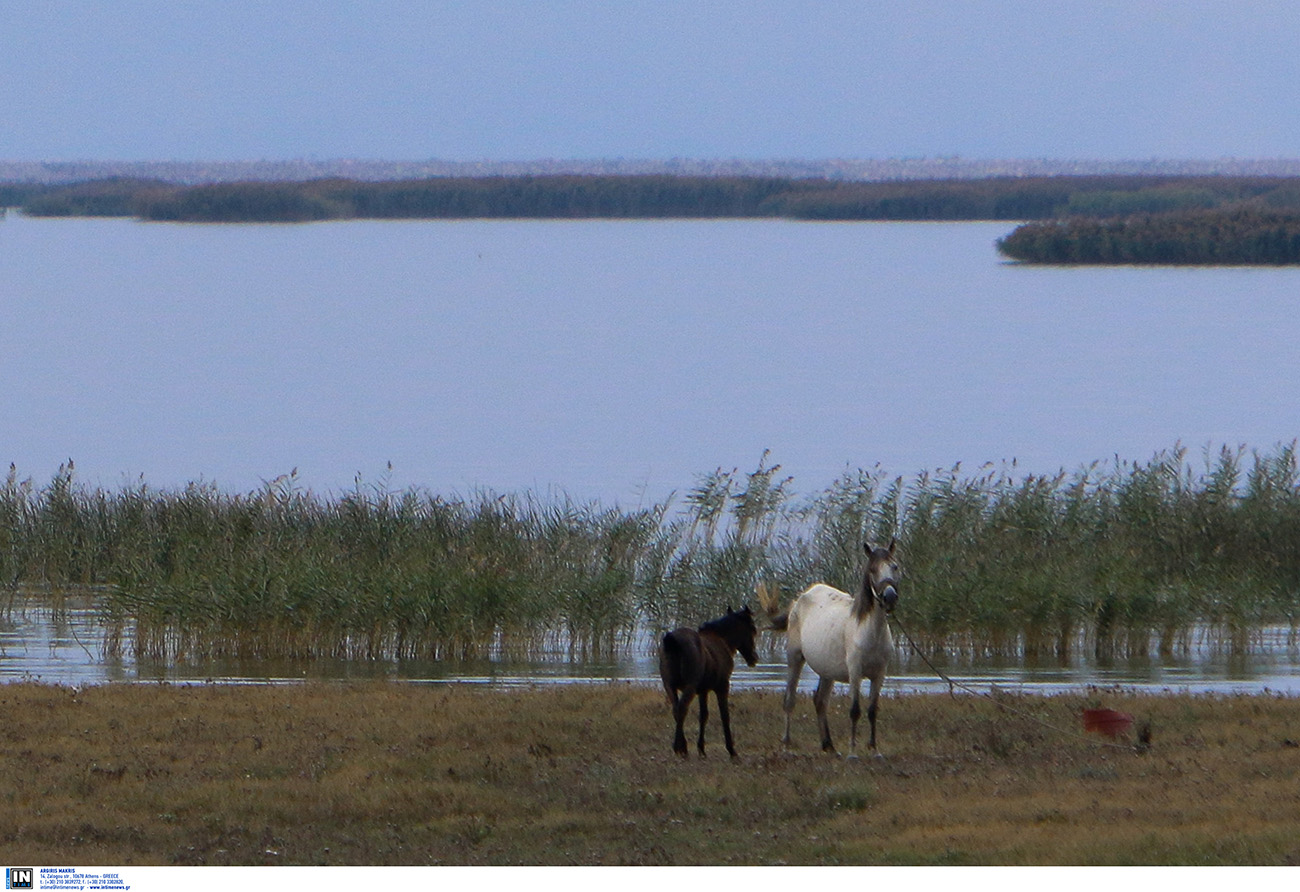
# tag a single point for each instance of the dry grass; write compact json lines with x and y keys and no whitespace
{"x":402,"y":774}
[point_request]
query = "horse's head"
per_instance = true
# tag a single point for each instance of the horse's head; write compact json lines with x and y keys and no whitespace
{"x":748,"y":632}
{"x":883,"y":574}
{"x":738,"y":630}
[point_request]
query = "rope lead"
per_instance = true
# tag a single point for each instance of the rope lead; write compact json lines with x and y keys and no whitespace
{"x":953,"y":685}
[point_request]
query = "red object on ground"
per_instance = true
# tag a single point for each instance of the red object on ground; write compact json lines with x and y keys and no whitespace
{"x":1110,"y":722}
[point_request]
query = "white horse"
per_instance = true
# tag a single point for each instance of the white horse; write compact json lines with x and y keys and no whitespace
{"x":843,"y":638}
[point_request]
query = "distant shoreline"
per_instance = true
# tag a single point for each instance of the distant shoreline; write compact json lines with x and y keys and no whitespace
{"x":1072,"y":219}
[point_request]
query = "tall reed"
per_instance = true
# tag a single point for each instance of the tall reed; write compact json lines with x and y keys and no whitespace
{"x":1115,"y":558}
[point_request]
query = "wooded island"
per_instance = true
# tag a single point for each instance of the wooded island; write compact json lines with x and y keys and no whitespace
{"x":1120,"y":219}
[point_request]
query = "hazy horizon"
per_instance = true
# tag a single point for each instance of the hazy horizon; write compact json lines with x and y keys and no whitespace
{"x":848,"y":169}
{"x":145,"y":80}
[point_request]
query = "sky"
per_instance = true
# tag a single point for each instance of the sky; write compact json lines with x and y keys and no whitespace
{"x":232,"y":80}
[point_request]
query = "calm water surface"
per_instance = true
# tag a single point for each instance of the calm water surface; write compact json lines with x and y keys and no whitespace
{"x":611,"y":360}
{"x":67,"y":648}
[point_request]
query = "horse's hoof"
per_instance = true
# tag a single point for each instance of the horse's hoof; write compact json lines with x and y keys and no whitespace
{"x":878,"y":756}
{"x":853,"y":757}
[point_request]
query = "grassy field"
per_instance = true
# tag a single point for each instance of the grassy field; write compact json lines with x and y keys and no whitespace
{"x":390,"y":773}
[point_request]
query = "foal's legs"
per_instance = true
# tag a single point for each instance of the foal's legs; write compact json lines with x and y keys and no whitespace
{"x":821,"y":698}
{"x":704,"y":717}
{"x":680,"y":706}
{"x":724,"y":711}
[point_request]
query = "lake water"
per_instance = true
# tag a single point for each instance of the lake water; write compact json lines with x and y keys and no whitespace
{"x":613,"y":361}
{"x":67,"y":648}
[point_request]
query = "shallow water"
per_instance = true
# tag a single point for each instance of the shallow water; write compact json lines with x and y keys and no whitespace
{"x":66,"y":647}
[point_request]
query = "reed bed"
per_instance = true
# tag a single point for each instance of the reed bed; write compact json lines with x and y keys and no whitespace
{"x":1117,"y":558}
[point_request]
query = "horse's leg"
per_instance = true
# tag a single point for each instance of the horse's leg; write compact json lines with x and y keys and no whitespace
{"x":724,"y":711}
{"x":876,"y":682}
{"x":821,"y":699}
{"x":855,"y":713}
{"x":704,"y":717}
{"x":794,"y":666}
{"x":680,"y":707}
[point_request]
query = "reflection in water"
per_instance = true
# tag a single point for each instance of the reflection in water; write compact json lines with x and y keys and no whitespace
{"x":65,"y":646}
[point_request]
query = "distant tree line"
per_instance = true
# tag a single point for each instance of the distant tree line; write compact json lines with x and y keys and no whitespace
{"x":1071,"y":219}
{"x":435,"y":198}
{"x":14,"y":195}
{"x":654,"y":196}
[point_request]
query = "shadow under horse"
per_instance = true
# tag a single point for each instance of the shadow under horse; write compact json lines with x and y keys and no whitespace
{"x":696,"y":662}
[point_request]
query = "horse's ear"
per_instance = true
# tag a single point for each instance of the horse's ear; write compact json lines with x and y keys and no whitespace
{"x":729,"y":610}
{"x":893,"y":543}
{"x":866,"y":546}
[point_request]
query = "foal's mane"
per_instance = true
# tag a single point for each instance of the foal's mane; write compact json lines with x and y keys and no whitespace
{"x":721,"y":625}
{"x":731,"y":622}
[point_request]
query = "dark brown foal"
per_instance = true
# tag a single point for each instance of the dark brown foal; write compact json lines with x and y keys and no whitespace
{"x":697,"y":662}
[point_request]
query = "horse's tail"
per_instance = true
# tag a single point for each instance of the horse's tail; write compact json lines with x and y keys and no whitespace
{"x":771,"y":603}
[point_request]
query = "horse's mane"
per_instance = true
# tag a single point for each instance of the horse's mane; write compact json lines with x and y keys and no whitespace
{"x":865,"y":600}
{"x":716,"y":626}
{"x":720,"y":626}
